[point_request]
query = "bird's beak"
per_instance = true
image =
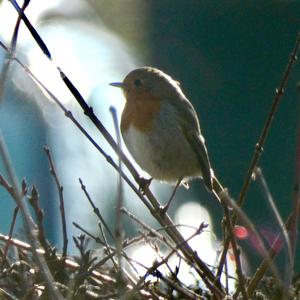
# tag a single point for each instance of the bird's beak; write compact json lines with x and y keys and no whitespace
{"x":117,"y":84}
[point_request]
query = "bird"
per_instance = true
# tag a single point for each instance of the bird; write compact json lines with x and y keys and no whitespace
{"x":161,"y":130}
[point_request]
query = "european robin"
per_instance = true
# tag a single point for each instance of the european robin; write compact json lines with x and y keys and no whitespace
{"x":161,"y":129}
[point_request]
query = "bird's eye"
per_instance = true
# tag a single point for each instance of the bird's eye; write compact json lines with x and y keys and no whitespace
{"x":137,"y":82}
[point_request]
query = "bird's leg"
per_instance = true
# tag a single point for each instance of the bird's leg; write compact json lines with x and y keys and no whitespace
{"x":166,"y":207}
{"x":143,"y":184}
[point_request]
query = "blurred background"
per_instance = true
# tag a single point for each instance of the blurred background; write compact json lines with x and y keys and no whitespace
{"x":229,"y":57}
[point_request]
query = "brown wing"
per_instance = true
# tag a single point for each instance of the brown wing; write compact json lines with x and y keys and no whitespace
{"x":189,"y":123}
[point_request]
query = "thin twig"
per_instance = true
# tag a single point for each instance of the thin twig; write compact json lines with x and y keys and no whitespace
{"x":95,"y":209}
{"x":32,"y":30}
{"x":266,"y":192}
{"x":11,"y":229}
{"x":34,"y":202}
{"x":61,"y":201}
{"x":265,"y":264}
{"x":152,"y":231}
{"x":108,"y":250}
{"x":249,"y":224}
{"x":236,"y":253}
{"x":164,"y":260}
{"x":119,"y":231}
{"x":296,"y":198}
{"x":90,"y":235}
{"x":111,"y":252}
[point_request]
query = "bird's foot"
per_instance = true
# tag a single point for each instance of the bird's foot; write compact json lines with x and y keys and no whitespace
{"x":144,"y":184}
{"x":164,"y":209}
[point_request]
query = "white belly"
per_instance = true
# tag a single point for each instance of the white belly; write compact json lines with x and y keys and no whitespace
{"x":164,"y":156}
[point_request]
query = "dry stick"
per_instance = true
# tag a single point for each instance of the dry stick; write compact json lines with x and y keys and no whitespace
{"x":259,"y":146}
{"x":34,"y":202}
{"x":111,"y":252}
{"x":108,"y":250}
{"x":96,"y":239}
{"x":249,"y":224}
{"x":156,"y":265}
{"x":119,"y":231}
{"x":224,"y":196}
{"x":262,"y":269}
{"x":10,"y":190}
{"x":261,"y":179}
{"x":74,"y":265}
{"x":220,"y":192}
{"x":95,"y":209}
{"x":68,"y":262}
{"x":193,"y":258}
{"x":126,"y":244}
{"x":236,"y":253}
{"x":187,"y":293}
{"x":296,"y":198}
{"x":30,"y":227}
{"x":151,"y":230}
{"x":11,"y":229}
{"x":31,"y":29}
{"x":61,"y":201}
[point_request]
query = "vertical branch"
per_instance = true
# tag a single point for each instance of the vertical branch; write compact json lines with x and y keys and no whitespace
{"x":61,"y":202}
{"x":259,"y":147}
{"x":34,"y":202}
{"x":11,"y":230}
{"x":293,"y":233}
{"x":119,"y":223}
{"x":266,"y":192}
{"x":236,"y":253}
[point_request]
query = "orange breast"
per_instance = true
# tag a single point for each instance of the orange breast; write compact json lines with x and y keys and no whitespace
{"x":140,"y":111}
